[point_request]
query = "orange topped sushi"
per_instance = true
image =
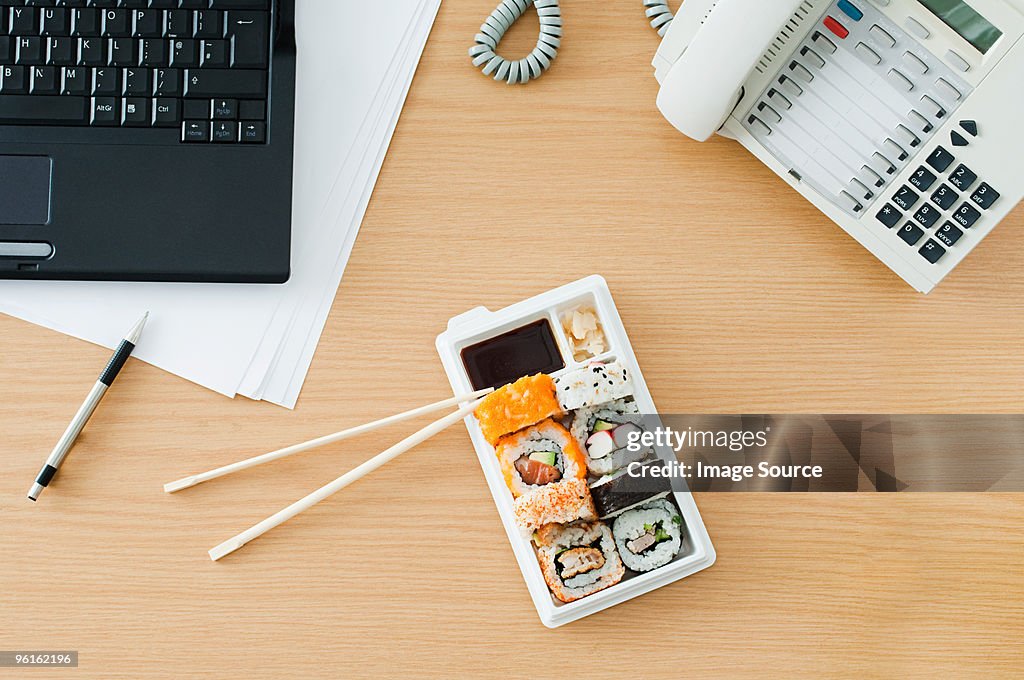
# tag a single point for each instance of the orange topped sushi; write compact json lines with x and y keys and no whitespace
{"x":539,"y":455}
{"x":512,"y":407}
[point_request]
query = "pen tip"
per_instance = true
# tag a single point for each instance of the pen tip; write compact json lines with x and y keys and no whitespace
{"x":136,"y":331}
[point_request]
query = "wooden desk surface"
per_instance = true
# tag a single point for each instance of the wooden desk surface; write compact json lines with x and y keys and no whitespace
{"x":739,"y":297}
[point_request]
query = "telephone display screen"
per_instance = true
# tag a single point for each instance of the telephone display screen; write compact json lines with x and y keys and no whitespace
{"x":959,"y":16}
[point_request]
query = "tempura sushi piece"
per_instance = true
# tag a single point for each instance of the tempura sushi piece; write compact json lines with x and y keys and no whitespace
{"x":649,"y":536}
{"x":578,"y":559}
{"x":560,"y":502}
{"x":594,"y":384}
{"x":539,"y":455}
{"x":605,"y":432}
{"x":512,"y":407}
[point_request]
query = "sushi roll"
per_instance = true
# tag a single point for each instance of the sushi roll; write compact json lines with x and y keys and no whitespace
{"x":594,"y":384}
{"x":604,"y":431}
{"x":560,"y":502}
{"x":614,"y":494}
{"x":539,"y":455}
{"x":578,"y":559}
{"x":649,"y":536}
{"x":512,"y":407}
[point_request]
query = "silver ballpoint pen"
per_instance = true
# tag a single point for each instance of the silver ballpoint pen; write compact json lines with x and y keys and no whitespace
{"x":85,"y":411}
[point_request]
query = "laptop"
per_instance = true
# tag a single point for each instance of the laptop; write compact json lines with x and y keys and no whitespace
{"x":146,"y":140}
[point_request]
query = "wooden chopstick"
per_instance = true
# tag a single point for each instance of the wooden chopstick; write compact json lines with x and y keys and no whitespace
{"x":236,"y":542}
{"x":192,"y":480}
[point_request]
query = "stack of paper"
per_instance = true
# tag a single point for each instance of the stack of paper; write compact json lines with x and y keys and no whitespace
{"x":356,"y":61}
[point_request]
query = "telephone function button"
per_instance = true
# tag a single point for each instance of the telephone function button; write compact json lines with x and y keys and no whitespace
{"x":917,"y":28}
{"x":957,"y":62}
{"x":868,"y":54}
{"x":947,"y":91}
{"x":889,"y":216}
{"x":970,"y":127}
{"x":900,"y":81}
{"x":822,"y":42}
{"x":932,"y":107}
{"x":957,"y":139}
{"x":850,"y":10}
{"x":915,"y":63}
{"x":837,"y":28}
{"x":882,"y":36}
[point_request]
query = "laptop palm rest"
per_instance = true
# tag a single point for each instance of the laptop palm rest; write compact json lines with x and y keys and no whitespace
{"x":25,"y":189}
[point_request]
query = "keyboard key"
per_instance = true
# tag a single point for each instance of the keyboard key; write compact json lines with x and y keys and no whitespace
{"x":13,"y":80}
{"x":208,"y":24}
{"x":966,"y":215}
{"x":30,"y":51}
{"x":184,"y":53}
{"x":61,"y":51}
{"x":214,"y":53}
{"x":905,"y":197}
{"x":166,"y":112}
{"x":29,"y":109}
{"x":178,"y":23}
{"x":949,"y":233}
{"x":167,"y":82}
{"x":927,"y":215}
{"x":56,"y":21}
{"x":984,"y":196}
{"x":106,"y":81}
{"x":136,"y":82}
{"x":250,"y":38}
{"x":940,"y":159}
{"x":225,"y":109}
{"x":228,"y":83}
{"x":44,"y":80}
{"x":922,"y":178}
{"x":225,"y":131}
{"x":105,"y":111}
{"x":6,"y":48}
{"x":135,"y":112}
{"x":195,"y":131}
{"x":147,"y":23}
{"x":75,"y":81}
{"x":153,"y":52}
{"x":932,"y":251}
{"x":889,"y":216}
{"x":24,"y":21}
{"x":92,"y":52}
{"x":944,"y":197}
{"x":116,"y":23}
{"x":911,"y":233}
{"x":85,"y":23}
{"x":121,"y":51}
{"x":253,"y":132}
{"x":962,"y":177}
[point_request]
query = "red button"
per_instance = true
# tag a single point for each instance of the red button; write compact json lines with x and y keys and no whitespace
{"x":836,"y":27}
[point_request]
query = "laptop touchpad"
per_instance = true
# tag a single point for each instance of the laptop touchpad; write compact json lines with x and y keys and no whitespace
{"x":25,"y":189}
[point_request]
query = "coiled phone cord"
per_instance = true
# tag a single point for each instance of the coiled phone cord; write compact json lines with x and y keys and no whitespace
{"x":486,"y":58}
{"x":484,"y":50}
{"x":659,"y":14}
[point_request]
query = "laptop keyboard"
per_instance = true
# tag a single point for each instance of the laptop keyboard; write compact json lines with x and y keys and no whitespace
{"x":200,"y":66}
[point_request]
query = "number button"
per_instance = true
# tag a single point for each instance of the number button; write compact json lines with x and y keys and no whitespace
{"x":911,"y":233}
{"x":966,"y":215}
{"x":927,"y":216}
{"x":940,"y":159}
{"x":905,"y":197}
{"x":962,"y":177}
{"x":949,"y":233}
{"x":985,"y":196}
{"x":944,"y":197}
{"x":922,"y":178}
{"x":889,"y":216}
{"x":932,"y":251}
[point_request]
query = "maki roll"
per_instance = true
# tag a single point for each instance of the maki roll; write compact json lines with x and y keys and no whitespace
{"x":604,"y":431}
{"x":539,"y":455}
{"x":622,"y":491}
{"x":560,"y":502}
{"x":578,"y":559}
{"x":512,"y":407}
{"x":649,"y":536}
{"x":594,"y":384}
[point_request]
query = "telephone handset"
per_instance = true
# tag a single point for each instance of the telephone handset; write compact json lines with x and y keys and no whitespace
{"x":719,"y":42}
{"x":899,"y":119}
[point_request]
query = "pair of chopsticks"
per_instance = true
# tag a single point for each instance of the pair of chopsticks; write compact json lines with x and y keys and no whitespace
{"x":236,"y":542}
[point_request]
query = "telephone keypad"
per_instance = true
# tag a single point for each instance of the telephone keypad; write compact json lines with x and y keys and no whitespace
{"x":922,"y":178}
{"x":962,"y":178}
{"x":984,"y":196}
{"x":889,"y":216}
{"x":944,"y":197}
{"x":949,"y":233}
{"x":932,"y":251}
{"x":966,"y":215}
{"x":927,"y":216}
{"x":940,"y":159}
{"x":911,"y":233}
{"x":905,"y":197}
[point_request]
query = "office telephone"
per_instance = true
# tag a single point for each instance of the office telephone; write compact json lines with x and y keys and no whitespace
{"x":901,"y":120}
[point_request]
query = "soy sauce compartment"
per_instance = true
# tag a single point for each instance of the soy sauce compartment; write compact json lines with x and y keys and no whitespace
{"x":525,"y":350}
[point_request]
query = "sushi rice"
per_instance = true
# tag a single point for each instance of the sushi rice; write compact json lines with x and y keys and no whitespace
{"x":618,"y":412}
{"x":578,"y":559}
{"x":595,"y":383}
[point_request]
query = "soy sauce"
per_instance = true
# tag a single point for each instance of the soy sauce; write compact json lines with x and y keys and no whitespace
{"x":505,"y":358}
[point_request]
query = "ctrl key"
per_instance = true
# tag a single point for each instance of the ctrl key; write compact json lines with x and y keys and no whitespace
{"x":253,"y":132}
{"x":195,"y":131}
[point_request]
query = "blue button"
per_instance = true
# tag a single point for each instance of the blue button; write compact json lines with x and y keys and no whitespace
{"x":850,"y":10}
